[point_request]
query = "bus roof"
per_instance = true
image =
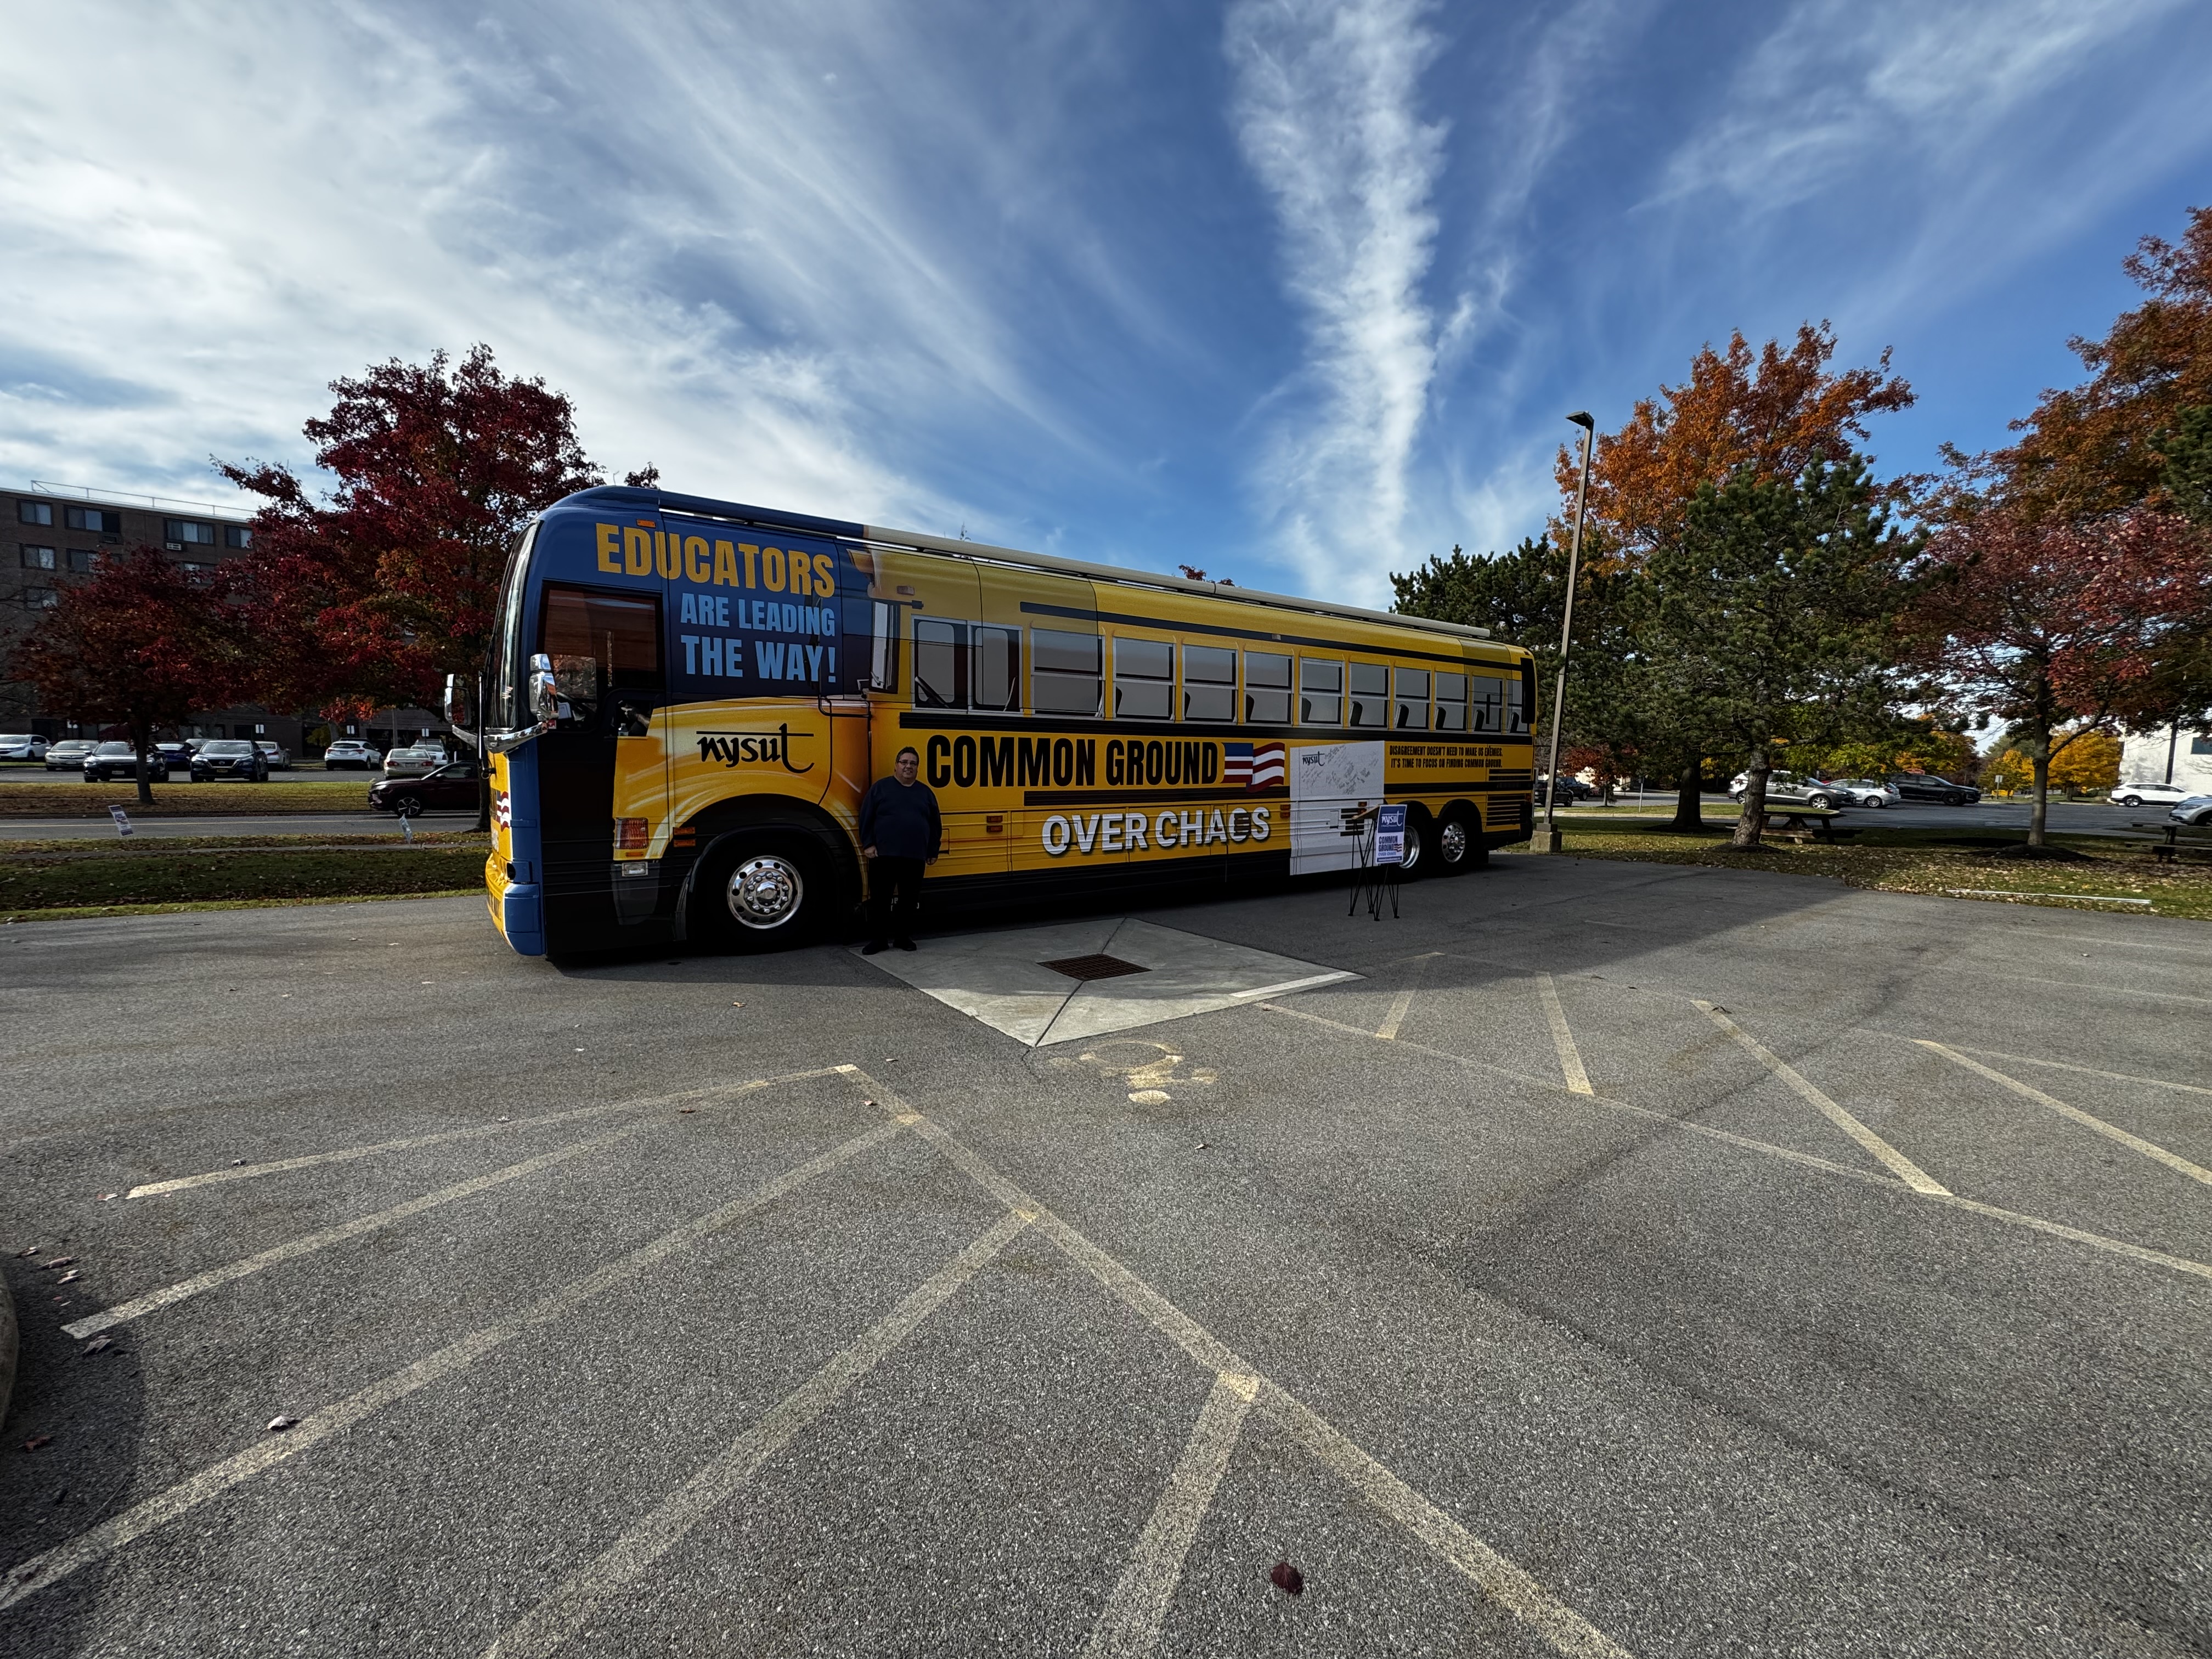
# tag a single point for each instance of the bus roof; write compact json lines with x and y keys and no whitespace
{"x":881,"y":536}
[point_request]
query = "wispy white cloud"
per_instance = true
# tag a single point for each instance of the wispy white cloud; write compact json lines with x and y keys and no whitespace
{"x":1327,"y":113}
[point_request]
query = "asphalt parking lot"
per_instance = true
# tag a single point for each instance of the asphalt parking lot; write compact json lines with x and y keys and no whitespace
{"x":1628,"y":1258}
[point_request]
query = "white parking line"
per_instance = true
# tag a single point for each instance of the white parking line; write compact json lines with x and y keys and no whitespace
{"x":1571,"y":1061}
{"x":1865,"y":1177}
{"x":1129,"y":1628}
{"x":110,"y":1535}
{"x":1306,"y":984}
{"x":347,"y":1155}
{"x":2111,"y":1130}
{"x":1499,"y":1578}
{"x":1911,"y":1173}
{"x":550,"y":1624}
{"x":1402,"y":1004}
{"x":2084,"y":1070}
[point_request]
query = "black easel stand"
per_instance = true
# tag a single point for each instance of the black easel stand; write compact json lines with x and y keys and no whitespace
{"x":1371,"y":880}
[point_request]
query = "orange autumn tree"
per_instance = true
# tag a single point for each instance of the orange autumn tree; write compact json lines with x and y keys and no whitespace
{"x":1774,"y":412}
{"x":2105,"y":445}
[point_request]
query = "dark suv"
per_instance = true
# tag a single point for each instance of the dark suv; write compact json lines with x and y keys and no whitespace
{"x":230,"y":757}
{"x":1926,"y":786}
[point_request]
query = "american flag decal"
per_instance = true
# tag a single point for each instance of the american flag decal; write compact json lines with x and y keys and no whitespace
{"x":1255,"y":766}
{"x":502,"y":809}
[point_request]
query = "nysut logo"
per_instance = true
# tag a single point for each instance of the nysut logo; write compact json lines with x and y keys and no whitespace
{"x":750,"y":748}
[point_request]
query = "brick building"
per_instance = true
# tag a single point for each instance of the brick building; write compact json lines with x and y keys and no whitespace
{"x":52,"y":536}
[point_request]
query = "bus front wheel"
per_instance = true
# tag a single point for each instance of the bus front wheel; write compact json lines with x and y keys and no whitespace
{"x":764,"y":891}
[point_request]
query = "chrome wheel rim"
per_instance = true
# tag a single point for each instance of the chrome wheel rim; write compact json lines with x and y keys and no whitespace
{"x":765,"y":892}
{"x":1411,"y":857}
{"x":1451,"y":842}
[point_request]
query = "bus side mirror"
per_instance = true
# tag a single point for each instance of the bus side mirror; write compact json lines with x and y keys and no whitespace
{"x":544,"y":693}
{"x":458,"y":712}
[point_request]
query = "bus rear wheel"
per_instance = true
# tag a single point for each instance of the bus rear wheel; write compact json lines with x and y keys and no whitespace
{"x":1459,"y":846}
{"x":762,"y":890}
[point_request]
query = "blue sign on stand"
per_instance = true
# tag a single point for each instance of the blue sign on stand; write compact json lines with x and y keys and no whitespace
{"x":1390,"y":834}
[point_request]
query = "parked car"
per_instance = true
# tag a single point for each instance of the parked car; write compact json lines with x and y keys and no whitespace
{"x":22,"y":746}
{"x":233,"y":758}
{"x":1868,"y":792}
{"x":2148,"y":794}
{"x":2196,"y":811}
{"x":176,"y":756}
{"x":450,"y":788}
{"x":116,"y":760}
{"x":413,"y":760}
{"x":1926,"y":786}
{"x":1571,"y":790}
{"x":351,"y":755}
{"x":280,"y":758}
{"x":67,"y":755}
{"x":1792,"y":789}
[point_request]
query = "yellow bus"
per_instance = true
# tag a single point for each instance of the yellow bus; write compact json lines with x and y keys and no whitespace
{"x":687,"y":699}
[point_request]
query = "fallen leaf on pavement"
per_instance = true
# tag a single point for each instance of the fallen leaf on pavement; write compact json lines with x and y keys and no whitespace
{"x":1287,"y":1579}
{"x":37,"y":1441}
{"x":108,"y":1197}
{"x":33,"y":1250}
{"x":278,"y":1425}
{"x":99,"y":1344}
{"x":59,"y":1262}
{"x":686,"y":1110}
{"x":67,"y":1276}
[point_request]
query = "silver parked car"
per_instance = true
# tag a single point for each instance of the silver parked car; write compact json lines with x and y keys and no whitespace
{"x":413,"y":762}
{"x":1792,"y":789}
{"x":22,"y":746}
{"x":279,"y":758}
{"x":2196,"y":811}
{"x":1868,"y":792}
{"x":67,"y":755}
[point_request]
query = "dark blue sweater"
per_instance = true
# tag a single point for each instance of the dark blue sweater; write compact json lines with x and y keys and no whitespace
{"x":900,"y":820}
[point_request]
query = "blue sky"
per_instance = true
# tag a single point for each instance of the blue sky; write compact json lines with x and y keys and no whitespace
{"x":1295,"y":292}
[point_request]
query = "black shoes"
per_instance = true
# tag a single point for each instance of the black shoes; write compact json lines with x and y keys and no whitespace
{"x":903,"y":944}
{"x":874,"y":947}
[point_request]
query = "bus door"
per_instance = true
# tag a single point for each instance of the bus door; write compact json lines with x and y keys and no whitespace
{"x":603,"y":775}
{"x":951,"y":680}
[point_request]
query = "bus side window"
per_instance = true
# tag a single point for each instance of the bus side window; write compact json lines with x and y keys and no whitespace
{"x":1489,"y":703}
{"x":884,"y":644}
{"x":1320,"y":692}
{"x":1411,"y":712}
{"x":1209,"y":683}
{"x":1064,"y":672}
{"x":601,"y":644}
{"x":1520,"y":693}
{"x":1143,"y":679}
{"x":1370,"y":694}
{"x":997,"y":674}
{"x":1267,"y":689}
{"x":1451,"y":702}
{"x":940,"y":664}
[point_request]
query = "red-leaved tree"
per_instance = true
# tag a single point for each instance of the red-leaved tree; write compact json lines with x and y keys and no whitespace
{"x":2045,"y":624}
{"x":145,"y":644}
{"x":369,"y":597}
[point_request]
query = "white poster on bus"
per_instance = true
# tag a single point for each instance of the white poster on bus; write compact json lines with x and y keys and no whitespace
{"x":1331,"y":784}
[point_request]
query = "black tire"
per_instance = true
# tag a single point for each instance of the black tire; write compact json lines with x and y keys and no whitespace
{"x":407,"y":806}
{"x":763,"y":890}
{"x":2131,"y":801}
{"x":1459,"y":845}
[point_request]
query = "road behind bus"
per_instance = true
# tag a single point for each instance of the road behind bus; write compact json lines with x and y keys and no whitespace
{"x":1613,"y":1266}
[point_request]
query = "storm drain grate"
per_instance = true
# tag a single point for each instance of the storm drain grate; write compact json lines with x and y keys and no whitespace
{"x":1098,"y":967}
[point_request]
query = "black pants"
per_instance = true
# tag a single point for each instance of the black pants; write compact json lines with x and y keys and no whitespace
{"x":894,"y":896}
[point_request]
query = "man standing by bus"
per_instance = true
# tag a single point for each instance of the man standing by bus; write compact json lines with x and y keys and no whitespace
{"x":900,"y":831}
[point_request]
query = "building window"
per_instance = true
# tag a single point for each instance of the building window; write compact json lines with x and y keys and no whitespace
{"x":80,"y":559}
{"x":2201,"y":743}
{"x":1320,"y":692}
{"x":192,"y":570}
{"x":38,"y":558}
{"x":93,"y":519}
{"x":1209,"y":683}
{"x":187,"y":532}
{"x":34,"y":512}
{"x":1267,"y":689}
{"x":38,"y":598}
{"x":237,"y":535}
{"x":1143,"y":679}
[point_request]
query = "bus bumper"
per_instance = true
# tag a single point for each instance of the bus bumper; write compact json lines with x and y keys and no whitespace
{"x":522,"y":918}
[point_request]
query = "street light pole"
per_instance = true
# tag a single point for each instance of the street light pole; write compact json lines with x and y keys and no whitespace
{"x":1549,"y":840}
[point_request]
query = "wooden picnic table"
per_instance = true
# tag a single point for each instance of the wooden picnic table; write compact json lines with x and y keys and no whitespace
{"x":1804,"y":824}
{"x":2167,"y":838}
